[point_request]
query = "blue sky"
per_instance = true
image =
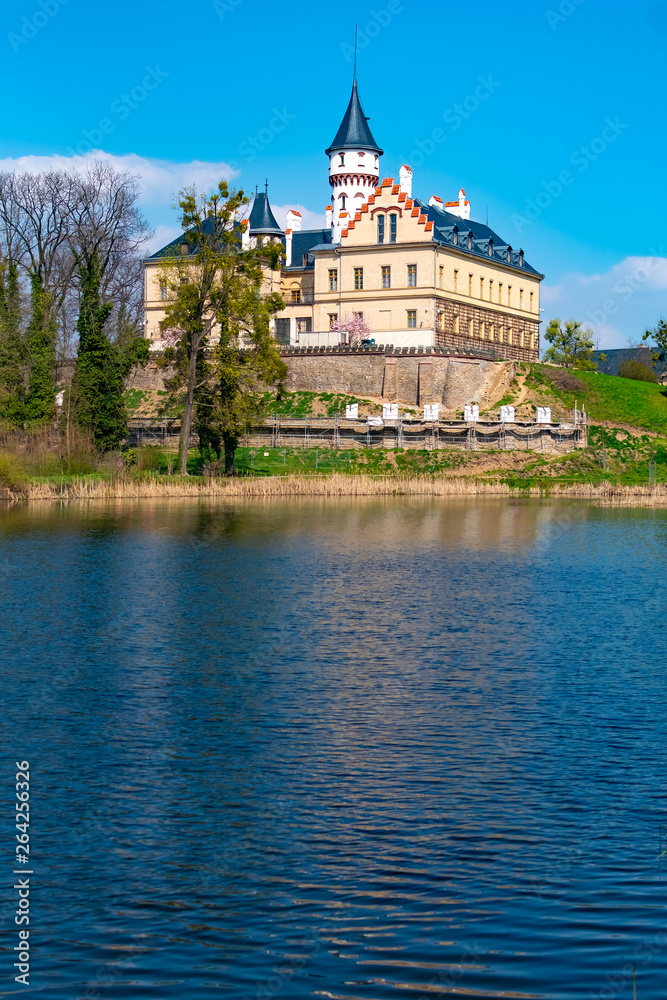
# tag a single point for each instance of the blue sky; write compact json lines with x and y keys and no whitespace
{"x":565,"y":142}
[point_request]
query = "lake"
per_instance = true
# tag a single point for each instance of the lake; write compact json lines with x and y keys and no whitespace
{"x":398,"y":748}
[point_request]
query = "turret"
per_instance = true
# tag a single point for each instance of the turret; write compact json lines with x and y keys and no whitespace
{"x":354,"y":163}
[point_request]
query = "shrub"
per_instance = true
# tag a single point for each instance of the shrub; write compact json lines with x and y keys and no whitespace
{"x":637,"y":371}
{"x":566,"y":381}
{"x":12,"y":474}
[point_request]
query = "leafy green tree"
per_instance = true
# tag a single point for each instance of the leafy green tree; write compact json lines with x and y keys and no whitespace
{"x":40,"y":404}
{"x":659,"y":336}
{"x":571,"y":346}
{"x":12,"y":347}
{"x":217,"y":286}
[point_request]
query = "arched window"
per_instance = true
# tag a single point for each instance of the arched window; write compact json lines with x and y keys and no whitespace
{"x":342,"y":160}
{"x":343,"y":201}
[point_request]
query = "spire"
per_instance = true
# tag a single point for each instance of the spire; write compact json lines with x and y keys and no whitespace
{"x":354,"y":132}
{"x":262,"y":219}
{"x":356,"y":32}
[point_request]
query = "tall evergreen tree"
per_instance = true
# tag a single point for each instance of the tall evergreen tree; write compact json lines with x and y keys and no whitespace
{"x":12,"y":348}
{"x":101,"y":367}
{"x":40,"y":402}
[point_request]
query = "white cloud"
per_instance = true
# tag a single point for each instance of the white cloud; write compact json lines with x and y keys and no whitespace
{"x":160,"y":180}
{"x":618,"y":304}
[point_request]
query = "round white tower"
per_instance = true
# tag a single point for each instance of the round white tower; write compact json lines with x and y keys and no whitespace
{"x":354,"y":165}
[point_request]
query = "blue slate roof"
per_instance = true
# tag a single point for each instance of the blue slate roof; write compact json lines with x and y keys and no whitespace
{"x":450,"y":230}
{"x":173,"y":249}
{"x":304,"y":242}
{"x":262,"y":219}
{"x":354,"y":132}
{"x":615,"y":357}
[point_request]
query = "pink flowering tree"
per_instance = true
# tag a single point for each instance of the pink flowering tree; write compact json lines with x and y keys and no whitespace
{"x":354,"y":328}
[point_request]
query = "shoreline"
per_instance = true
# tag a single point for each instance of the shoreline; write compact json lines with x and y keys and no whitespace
{"x":331,"y":486}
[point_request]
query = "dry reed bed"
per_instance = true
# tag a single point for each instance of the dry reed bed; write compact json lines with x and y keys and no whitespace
{"x":604,"y":494}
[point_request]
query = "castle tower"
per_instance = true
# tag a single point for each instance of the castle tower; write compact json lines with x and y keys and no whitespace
{"x":262,"y":220}
{"x":354,"y":164}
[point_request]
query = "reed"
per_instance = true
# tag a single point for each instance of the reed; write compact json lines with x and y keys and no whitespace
{"x":335,"y":485}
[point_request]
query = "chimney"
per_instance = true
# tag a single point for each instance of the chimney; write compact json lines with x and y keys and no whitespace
{"x":329,"y":216}
{"x":294,"y":220}
{"x":436,"y":202}
{"x":405,"y":180}
{"x":464,"y":206}
{"x":288,"y":247}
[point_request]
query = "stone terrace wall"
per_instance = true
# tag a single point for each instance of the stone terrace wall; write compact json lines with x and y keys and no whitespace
{"x":408,"y":376}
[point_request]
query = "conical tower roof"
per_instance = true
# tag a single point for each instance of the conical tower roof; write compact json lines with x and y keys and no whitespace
{"x":354,"y":132}
{"x":262,"y":219}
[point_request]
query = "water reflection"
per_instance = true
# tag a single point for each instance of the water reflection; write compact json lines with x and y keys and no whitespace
{"x":358,"y":749}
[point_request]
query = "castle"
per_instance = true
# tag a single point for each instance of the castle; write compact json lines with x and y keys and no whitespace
{"x":419,"y":274}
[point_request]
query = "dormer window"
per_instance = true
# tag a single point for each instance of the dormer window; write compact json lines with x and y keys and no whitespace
{"x":490,"y":248}
{"x":520,"y":258}
{"x":305,"y":260}
{"x":470,"y":241}
{"x":185,"y":249}
{"x":509,"y":255}
{"x":455,"y":235}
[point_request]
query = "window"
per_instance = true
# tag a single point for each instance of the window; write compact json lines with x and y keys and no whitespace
{"x":393,"y":226}
{"x":343,"y":201}
{"x":412,"y":319}
{"x":441,"y":321}
{"x":295,"y":296}
{"x":490,"y":289}
{"x":492,"y":332}
{"x":509,"y":334}
{"x":304,"y":260}
{"x":482,"y":329}
{"x":500,"y":291}
{"x":521,"y":338}
{"x":456,"y":324}
{"x":532,"y":295}
{"x":471,"y":326}
{"x":456,"y":281}
{"x":441,"y":276}
{"x":521,"y":298}
{"x":359,"y":316}
{"x":470,"y":284}
{"x":342,"y":160}
{"x":386,"y":277}
{"x":509,"y":295}
{"x":501,"y":334}
{"x":184,"y":280}
{"x":333,"y":279}
{"x":481,"y":288}
{"x":333,"y":319}
{"x":185,"y":249}
{"x":358,"y":279}
{"x":282,"y":331}
{"x":412,"y":275}
{"x":304,"y":324}
{"x":163,"y":289}
{"x":380,"y":228}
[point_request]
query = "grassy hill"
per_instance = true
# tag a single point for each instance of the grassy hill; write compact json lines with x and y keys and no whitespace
{"x":606,"y":398}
